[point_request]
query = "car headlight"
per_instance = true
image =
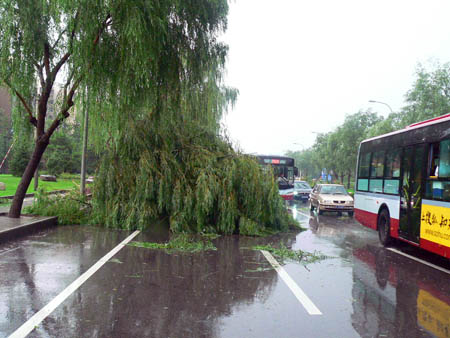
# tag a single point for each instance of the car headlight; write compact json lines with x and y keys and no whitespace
{"x":327,"y":202}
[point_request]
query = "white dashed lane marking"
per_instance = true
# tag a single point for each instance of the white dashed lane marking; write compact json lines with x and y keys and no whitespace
{"x":298,"y":293}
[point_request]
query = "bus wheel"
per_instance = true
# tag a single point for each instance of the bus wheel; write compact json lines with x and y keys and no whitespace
{"x":384,"y":228}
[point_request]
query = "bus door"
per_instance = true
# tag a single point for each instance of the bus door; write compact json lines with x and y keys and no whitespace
{"x":411,"y":192}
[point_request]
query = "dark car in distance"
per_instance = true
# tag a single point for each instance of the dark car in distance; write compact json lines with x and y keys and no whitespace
{"x":301,"y":191}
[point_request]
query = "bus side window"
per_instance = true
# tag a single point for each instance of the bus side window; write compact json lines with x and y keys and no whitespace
{"x":363,"y":172}
{"x":444,"y":159}
{"x":392,"y":172}
{"x":392,"y":168}
{"x":377,"y":165}
{"x":434,"y":161}
{"x":364,"y":164}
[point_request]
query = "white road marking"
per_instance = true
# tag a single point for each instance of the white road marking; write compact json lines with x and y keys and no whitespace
{"x":419,"y":260}
{"x":298,"y":293}
{"x":8,"y":251}
{"x":38,"y":317}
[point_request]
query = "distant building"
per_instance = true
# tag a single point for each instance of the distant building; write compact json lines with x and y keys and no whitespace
{"x":5,"y":126}
{"x":5,"y":103}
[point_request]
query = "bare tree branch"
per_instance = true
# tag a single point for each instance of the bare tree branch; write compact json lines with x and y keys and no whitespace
{"x":59,"y":38}
{"x":59,"y":65}
{"x":105,"y":24}
{"x":31,"y":117}
{"x":47,"y":59}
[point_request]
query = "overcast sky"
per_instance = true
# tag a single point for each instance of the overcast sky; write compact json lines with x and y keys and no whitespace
{"x":301,"y":66}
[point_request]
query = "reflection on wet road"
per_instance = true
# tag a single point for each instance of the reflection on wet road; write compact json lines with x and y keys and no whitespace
{"x":363,"y":290}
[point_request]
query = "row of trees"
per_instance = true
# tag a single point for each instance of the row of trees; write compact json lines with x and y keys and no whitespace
{"x":337,"y":150}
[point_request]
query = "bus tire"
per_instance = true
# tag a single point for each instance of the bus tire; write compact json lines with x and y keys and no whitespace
{"x":384,"y":227}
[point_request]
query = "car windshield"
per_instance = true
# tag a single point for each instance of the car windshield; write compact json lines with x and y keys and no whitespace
{"x":333,"y":190}
{"x":301,"y":185}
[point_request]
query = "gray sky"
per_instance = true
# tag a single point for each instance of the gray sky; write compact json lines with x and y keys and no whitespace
{"x":301,"y":66}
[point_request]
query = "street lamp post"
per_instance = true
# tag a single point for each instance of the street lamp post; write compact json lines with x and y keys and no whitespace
{"x":373,"y":101}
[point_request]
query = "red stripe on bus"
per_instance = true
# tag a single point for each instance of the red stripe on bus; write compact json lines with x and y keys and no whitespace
{"x":435,"y":247}
{"x":428,"y":121}
{"x":369,"y":219}
{"x":395,"y":224}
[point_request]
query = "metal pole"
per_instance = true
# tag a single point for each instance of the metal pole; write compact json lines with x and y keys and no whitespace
{"x":36,"y":172}
{"x":7,"y":153}
{"x":83,"y":155}
{"x":373,"y":101}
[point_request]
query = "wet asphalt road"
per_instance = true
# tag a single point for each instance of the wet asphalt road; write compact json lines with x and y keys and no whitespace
{"x":362,"y":290}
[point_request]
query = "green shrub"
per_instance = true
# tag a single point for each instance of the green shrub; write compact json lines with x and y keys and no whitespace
{"x":71,"y":208}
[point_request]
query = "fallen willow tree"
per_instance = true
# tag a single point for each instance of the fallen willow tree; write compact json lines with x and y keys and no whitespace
{"x":150,"y":74}
{"x":189,"y":175}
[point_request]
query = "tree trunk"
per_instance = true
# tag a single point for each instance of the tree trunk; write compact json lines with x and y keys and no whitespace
{"x":16,"y":206}
{"x":336,"y":175}
{"x":348,"y":180}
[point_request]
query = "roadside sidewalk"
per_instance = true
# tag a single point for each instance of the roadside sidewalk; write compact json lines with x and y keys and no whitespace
{"x":12,"y":228}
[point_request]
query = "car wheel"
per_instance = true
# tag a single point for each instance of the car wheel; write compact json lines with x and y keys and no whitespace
{"x":350,"y":213}
{"x":319,"y":211}
{"x":311,"y":206}
{"x":339,"y":213}
{"x":384,"y":228}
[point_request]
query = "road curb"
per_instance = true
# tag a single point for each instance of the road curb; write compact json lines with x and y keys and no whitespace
{"x":23,"y":228}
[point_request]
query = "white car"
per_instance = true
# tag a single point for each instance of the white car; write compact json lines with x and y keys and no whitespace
{"x":331,"y":197}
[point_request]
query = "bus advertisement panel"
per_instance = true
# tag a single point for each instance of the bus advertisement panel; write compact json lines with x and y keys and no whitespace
{"x":284,"y":171}
{"x":402,"y":186}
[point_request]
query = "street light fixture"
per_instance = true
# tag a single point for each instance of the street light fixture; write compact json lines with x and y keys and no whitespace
{"x":373,"y":101}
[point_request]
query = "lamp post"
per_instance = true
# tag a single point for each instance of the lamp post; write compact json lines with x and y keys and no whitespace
{"x":373,"y":101}
{"x":301,"y":145}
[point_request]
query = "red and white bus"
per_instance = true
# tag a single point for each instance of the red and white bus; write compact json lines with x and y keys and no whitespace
{"x":284,"y":170}
{"x":403,"y":185}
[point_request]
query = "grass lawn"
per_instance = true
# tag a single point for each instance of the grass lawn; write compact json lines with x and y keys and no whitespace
{"x":12,"y":183}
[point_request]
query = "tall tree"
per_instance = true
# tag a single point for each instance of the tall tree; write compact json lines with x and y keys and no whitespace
{"x":349,"y":135}
{"x":429,"y":96}
{"x":121,"y":55}
{"x":305,"y":163}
